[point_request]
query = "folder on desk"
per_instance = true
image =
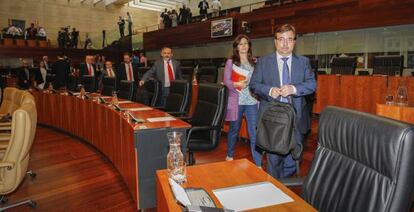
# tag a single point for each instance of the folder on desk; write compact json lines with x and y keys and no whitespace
{"x":190,"y":196}
{"x":251,"y":196}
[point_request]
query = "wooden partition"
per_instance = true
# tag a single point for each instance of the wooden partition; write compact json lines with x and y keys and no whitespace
{"x":76,"y":55}
{"x":361,"y":93}
{"x":135,"y":150}
{"x":309,"y":17}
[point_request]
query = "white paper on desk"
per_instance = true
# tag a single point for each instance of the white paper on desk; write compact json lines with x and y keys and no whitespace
{"x":124,"y":102}
{"x":138,"y":109}
{"x":250,"y":196}
{"x":158,"y":119}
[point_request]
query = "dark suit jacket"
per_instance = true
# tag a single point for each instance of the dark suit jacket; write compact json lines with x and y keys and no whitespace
{"x":122,"y":75}
{"x":23,"y":81}
{"x":61,"y":69}
{"x":266,"y":76}
{"x":157,"y":71}
{"x":83,"y":69}
{"x":36,"y":75}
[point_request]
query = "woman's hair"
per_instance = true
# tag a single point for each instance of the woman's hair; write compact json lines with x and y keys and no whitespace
{"x":236,"y":56}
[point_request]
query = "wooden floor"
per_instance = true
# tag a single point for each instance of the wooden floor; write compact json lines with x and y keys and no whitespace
{"x":72,"y":176}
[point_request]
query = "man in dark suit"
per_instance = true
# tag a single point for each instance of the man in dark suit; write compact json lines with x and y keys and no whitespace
{"x":23,"y":76}
{"x":61,"y":69}
{"x":165,"y":70}
{"x":285,"y":77}
{"x":127,"y":70}
{"x":89,"y":69}
{"x":109,"y":70}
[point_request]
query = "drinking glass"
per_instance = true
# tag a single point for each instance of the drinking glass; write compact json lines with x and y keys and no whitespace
{"x":402,"y":96}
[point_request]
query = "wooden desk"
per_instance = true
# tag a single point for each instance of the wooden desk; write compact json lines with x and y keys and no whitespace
{"x":405,"y":114}
{"x":135,"y":152}
{"x":360,"y":93}
{"x":220,"y":175}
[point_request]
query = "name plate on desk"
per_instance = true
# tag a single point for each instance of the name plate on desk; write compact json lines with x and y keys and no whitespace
{"x":251,"y":196}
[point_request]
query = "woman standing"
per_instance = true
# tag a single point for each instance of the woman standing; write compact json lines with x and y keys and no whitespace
{"x":237,"y":72}
{"x":43,"y":73}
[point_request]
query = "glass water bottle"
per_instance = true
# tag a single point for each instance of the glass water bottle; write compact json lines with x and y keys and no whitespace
{"x":175,"y":158}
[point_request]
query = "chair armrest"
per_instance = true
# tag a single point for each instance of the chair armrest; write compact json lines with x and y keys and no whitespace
{"x":292,"y":182}
{"x":186,"y":118}
{"x":6,"y":164}
{"x":200,"y":128}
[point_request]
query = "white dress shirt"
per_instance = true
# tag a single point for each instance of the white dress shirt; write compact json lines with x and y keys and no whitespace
{"x":91,"y":67}
{"x":127,"y":66}
{"x":280,"y":69}
{"x":166,"y":76}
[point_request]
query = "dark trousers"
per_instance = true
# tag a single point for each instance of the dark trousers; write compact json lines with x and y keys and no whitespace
{"x":129,"y":28}
{"x":164,"y":95}
{"x":283,"y":166}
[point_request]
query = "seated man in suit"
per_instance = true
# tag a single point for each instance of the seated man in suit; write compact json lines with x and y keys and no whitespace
{"x":165,"y":70}
{"x":127,"y":70}
{"x":23,"y":76}
{"x":285,"y":77}
{"x":109,"y":71}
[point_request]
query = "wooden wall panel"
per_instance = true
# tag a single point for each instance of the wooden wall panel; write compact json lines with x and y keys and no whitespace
{"x":361,"y":93}
{"x":309,"y":17}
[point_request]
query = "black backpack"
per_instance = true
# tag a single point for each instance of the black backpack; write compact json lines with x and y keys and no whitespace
{"x":275,"y":130}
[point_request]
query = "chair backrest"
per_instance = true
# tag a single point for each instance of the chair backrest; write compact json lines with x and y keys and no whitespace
{"x":187,"y":63}
{"x":153,"y":88}
{"x":88,"y":83}
{"x":207,"y":74}
{"x":363,"y":162}
{"x":210,"y":111}
{"x":109,"y":85}
{"x":8,"y":105}
{"x":180,"y":97}
{"x":142,"y":70}
{"x":126,"y":89}
{"x":343,"y":65}
{"x":17,"y":153}
{"x":187,"y":72}
{"x":388,"y":65}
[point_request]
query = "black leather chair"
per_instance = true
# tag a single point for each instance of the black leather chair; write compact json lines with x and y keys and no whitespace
{"x":187,"y":63}
{"x":108,"y":85}
{"x":142,"y":70}
{"x":363,"y":163}
{"x":126,"y":89}
{"x":207,"y":74}
{"x":88,"y":83}
{"x":343,"y":65}
{"x":207,"y":119}
{"x":72,"y":84}
{"x":187,"y":72}
{"x":178,"y":101}
{"x":149,"y":94}
{"x":388,"y":65}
